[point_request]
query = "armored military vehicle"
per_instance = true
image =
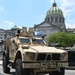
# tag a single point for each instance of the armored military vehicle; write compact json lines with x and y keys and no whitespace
{"x":30,"y":55}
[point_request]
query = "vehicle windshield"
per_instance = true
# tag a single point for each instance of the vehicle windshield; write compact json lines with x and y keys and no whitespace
{"x":38,"y":41}
{"x":24,"y":40}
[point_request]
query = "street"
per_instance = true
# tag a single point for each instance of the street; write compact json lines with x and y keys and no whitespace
{"x":67,"y":72}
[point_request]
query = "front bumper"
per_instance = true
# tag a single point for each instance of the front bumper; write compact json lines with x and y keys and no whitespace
{"x":45,"y":66}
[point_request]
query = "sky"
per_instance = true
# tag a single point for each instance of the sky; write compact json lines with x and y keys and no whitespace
{"x":27,"y":13}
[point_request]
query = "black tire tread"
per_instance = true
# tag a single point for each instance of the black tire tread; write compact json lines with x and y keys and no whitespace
{"x":19,"y":65}
{"x":5,"y":63}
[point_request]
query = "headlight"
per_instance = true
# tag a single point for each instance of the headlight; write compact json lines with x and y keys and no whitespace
{"x":30,"y":56}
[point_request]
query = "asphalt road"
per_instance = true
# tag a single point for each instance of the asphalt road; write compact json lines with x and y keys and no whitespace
{"x":67,"y":72}
{"x":11,"y":72}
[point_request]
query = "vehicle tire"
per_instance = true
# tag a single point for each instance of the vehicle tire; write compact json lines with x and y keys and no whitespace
{"x":62,"y":72}
{"x":19,"y":68}
{"x":54,"y":73}
{"x":5,"y":63}
{"x":31,"y":72}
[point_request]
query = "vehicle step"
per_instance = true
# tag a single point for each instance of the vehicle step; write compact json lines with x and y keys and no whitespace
{"x":10,"y":65}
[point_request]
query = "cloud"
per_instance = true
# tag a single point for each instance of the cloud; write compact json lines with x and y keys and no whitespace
{"x":40,"y":16}
{"x":9,"y":23}
{"x":1,"y":8}
{"x":68,"y":25}
{"x":67,"y":6}
{"x":66,"y":3}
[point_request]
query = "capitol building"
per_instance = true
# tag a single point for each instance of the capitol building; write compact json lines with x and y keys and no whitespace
{"x":54,"y":22}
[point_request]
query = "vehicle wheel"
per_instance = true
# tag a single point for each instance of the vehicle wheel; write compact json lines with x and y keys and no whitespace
{"x":31,"y":72}
{"x":5,"y":63}
{"x":62,"y":72}
{"x":19,"y":68}
{"x":54,"y":73}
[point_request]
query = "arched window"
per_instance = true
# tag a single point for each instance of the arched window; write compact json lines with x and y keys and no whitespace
{"x":51,"y":19}
{"x":52,"y":11}
{"x":60,"y":19}
{"x":56,"y":19}
{"x":55,"y":11}
{"x":48,"y":18}
{"x":63,"y":20}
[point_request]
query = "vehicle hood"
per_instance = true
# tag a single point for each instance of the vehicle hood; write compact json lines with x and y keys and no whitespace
{"x":46,"y":49}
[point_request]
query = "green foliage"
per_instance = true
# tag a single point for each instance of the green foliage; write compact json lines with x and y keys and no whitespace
{"x":62,"y":38}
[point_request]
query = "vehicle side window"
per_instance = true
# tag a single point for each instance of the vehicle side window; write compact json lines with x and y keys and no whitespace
{"x":24,"y":40}
{"x":38,"y":41}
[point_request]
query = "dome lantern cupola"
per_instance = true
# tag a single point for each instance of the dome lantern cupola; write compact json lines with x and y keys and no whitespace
{"x":54,"y":4}
{"x":14,"y":29}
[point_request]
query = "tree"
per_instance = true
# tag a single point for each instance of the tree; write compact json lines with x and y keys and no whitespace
{"x":62,"y":38}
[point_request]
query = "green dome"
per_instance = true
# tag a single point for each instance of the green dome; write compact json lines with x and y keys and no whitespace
{"x":15,"y":28}
{"x":54,"y":10}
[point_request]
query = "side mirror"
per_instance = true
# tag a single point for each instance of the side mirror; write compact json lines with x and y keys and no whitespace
{"x":18,"y":31}
{"x":33,"y":39}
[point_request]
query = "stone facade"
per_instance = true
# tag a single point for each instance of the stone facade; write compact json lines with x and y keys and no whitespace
{"x":4,"y":33}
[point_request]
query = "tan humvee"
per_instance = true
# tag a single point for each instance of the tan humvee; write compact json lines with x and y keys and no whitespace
{"x":32,"y":56}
